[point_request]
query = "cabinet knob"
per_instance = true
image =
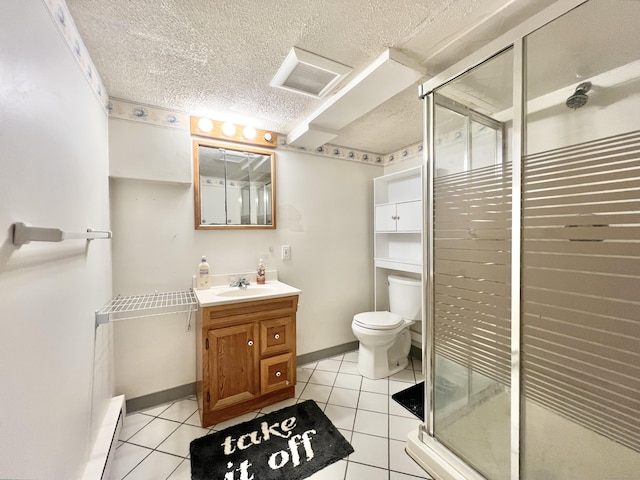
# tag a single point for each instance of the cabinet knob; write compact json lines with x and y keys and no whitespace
{"x":250,"y":343}
{"x":278,"y":374}
{"x":276,"y":336}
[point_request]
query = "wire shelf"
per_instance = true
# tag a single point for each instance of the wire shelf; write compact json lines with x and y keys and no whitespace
{"x":140,"y":306}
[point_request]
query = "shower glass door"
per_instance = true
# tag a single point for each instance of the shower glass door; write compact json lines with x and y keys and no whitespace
{"x":581,"y":246}
{"x":472,"y":265}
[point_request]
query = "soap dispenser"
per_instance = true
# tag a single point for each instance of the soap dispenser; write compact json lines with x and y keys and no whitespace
{"x":260,"y":274}
{"x":203,"y":275}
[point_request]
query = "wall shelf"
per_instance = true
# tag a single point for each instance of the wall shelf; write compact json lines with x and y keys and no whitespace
{"x":148,"y":305}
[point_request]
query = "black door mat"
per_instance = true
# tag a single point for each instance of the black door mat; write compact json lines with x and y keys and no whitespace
{"x":412,"y":399}
{"x":291,"y":443}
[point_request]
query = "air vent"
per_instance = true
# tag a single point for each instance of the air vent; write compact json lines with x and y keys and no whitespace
{"x":309,"y":74}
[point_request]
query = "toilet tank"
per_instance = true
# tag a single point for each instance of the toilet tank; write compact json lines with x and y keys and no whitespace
{"x":405,"y":297}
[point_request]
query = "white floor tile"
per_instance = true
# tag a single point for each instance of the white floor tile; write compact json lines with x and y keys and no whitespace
{"x":398,"y":410}
{"x":277,"y":406}
{"x":396,"y":386}
{"x":194,"y":419}
{"x":157,"y":465}
{"x":403,"y":476}
{"x":357,"y":471}
{"x":155,"y":411}
{"x":375,"y":402}
{"x":400,"y":461}
{"x":346,"y":380}
{"x":183,"y":472}
{"x":399,"y":427}
{"x":372,"y":423}
{"x":299,"y":388}
{"x":322,"y":377}
{"x":376,"y":386}
{"x":310,"y":365}
{"x":370,"y":450}
{"x":155,"y":433}
{"x":127,"y":457}
{"x":334,"y":471}
{"x":303,"y":374}
{"x":180,"y":411}
{"x":178,"y":442}
{"x":349,"y":367}
{"x":337,"y":357}
{"x":341,"y":417}
{"x":319,"y":393}
{"x":351,"y":357}
{"x":406,"y":375}
{"x":344,"y":397}
{"x":329,"y":365}
{"x":234,"y":421}
{"x":132,"y":425}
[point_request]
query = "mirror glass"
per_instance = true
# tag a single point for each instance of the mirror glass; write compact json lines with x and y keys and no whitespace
{"x":234,"y":186}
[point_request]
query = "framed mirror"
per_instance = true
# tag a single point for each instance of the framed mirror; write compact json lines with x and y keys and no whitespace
{"x":234,"y":186}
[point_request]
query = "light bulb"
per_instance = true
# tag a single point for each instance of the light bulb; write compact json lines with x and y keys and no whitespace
{"x":229,"y":129}
{"x":249,"y":133}
{"x":205,"y":125}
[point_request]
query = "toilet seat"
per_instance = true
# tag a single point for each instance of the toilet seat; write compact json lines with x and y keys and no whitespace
{"x":378,"y":320}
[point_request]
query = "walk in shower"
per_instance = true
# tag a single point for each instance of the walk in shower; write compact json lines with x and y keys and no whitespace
{"x":532,"y":181}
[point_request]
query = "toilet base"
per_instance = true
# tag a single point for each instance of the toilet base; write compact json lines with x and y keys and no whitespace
{"x":366,"y":370}
{"x":381,"y":361}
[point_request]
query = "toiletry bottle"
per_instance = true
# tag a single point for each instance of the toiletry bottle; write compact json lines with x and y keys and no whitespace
{"x":260,"y":274}
{"x":203,"y":275}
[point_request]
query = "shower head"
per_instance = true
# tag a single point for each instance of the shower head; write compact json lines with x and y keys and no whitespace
{"x":579,"y":98}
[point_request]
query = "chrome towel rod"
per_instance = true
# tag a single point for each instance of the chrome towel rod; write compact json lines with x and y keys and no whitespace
{"x":25,"y":233}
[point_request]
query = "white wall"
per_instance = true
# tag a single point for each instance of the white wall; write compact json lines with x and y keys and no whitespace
{"x":324,"y":212}
{"x":53,"y":173}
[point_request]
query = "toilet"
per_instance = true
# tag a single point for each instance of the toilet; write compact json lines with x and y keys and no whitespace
{"x":384,"y":337}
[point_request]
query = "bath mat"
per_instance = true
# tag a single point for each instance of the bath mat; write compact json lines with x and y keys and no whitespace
{"x":291,"y":443}
{"x":412,"y":399}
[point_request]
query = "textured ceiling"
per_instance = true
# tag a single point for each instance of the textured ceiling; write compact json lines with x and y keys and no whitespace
{"x":217,"y":58}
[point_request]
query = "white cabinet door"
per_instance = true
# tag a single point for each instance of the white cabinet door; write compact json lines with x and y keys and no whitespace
{"x":385,"y":218}
{"x":409,"y":216}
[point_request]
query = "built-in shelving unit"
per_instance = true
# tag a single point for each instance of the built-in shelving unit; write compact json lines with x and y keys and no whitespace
{"x":139,"y":306}
{"x":398,"y":220}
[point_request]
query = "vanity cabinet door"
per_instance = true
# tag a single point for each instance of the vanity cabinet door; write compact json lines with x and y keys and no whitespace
{"x":276,"y":335}
{"x":232,"y":360}
{"x":276,"y":373}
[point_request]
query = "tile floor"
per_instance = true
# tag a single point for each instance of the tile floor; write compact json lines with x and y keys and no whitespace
{"x":154,"y":444}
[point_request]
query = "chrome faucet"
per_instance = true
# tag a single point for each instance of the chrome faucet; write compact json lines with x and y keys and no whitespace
{"x":241,"y":282}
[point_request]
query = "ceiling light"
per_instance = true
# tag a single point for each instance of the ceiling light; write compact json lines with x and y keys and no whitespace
{"x":229,"y":129}
{"x":205,"y":125}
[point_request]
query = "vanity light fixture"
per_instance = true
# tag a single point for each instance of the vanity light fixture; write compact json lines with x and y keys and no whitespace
{"x":230,"y":132}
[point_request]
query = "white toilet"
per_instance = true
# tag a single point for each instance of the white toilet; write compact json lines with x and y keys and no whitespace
{"x":384,"y":337}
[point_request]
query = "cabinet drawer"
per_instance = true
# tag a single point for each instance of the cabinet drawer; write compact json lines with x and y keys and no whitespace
{"x":276,"y":336}
{"x":276,"y":373}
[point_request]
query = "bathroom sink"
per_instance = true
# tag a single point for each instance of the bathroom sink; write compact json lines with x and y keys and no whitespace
{"x":250,"y":291}
{"x":221,"y":294}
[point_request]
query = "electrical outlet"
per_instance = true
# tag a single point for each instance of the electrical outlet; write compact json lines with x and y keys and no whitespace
{"x":286,"y":252}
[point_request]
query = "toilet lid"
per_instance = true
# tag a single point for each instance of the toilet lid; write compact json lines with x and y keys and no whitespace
{"x":378,"y":320}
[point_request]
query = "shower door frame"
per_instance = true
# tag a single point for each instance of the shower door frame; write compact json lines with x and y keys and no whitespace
{"x":423,"y":444}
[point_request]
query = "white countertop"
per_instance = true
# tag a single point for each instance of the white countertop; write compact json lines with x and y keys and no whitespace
{"x":220,"y":295}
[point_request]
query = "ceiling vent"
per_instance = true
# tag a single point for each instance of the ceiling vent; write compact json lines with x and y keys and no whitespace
{"x":309,"y":74}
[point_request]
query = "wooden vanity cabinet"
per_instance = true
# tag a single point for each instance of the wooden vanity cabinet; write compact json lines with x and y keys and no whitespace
{"x":245,"y":356}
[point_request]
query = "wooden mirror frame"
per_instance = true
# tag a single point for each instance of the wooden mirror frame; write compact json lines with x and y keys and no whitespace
{"x":197,"y":192}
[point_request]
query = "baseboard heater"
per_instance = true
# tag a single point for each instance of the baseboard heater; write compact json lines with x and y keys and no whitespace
{"x":104,"y":448}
